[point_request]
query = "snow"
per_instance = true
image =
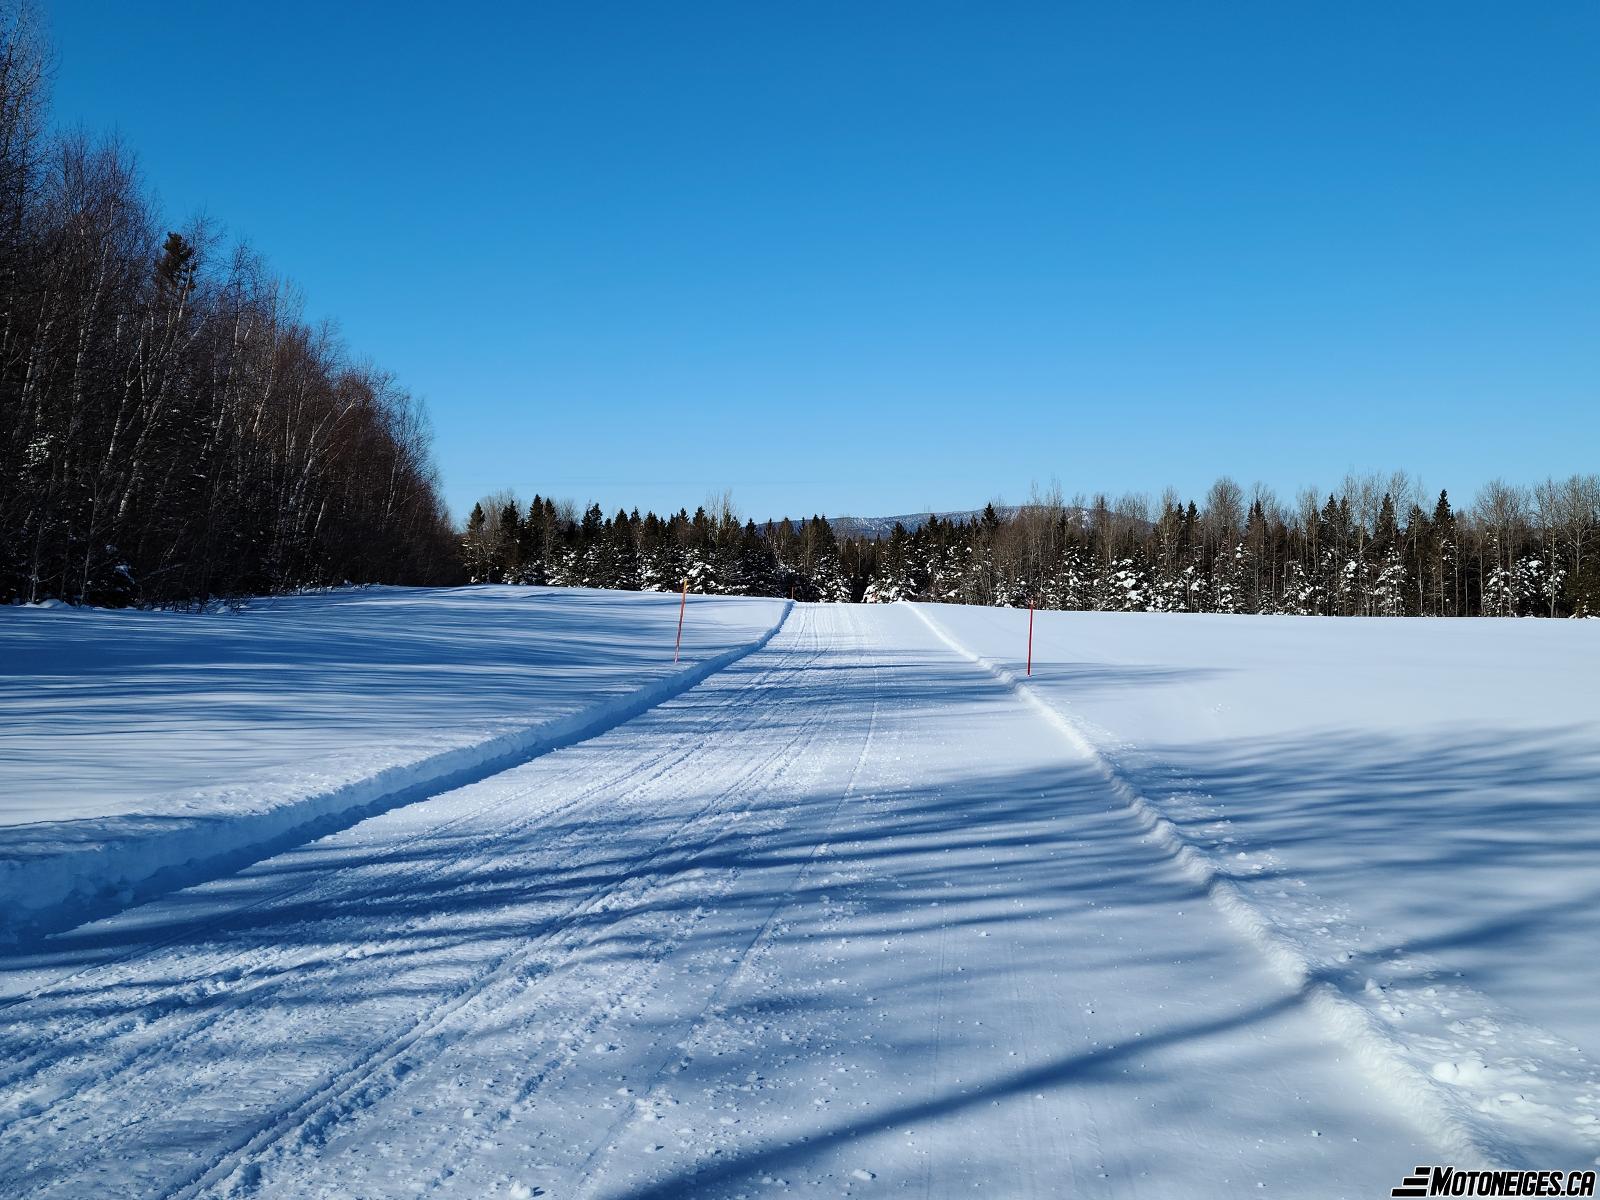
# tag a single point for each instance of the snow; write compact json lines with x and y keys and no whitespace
{"x":1208,"y":905}
{"x":1403,"y":813}
{"x":142,"y":748}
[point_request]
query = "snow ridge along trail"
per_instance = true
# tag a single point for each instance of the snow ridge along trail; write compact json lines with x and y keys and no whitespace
{"x":843,"y":919}
{"x":57,"y":874}
{"x":1490,"y":1087}
{"x":414,"y":891}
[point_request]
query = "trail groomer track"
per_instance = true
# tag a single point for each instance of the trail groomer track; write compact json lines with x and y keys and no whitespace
{"x":862,"y":912}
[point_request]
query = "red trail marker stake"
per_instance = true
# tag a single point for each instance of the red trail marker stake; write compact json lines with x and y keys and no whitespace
{"x":1030,"y":637}
{"x":683,"y":602}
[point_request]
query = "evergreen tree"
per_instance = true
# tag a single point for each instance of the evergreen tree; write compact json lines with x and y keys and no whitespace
{"x":1446,"y":562}
{"x":892,"y":579}
{"x":1501,"y":588}
{"x":508,"y":541}
{"x":1125,"y":587}
{"x":476,"y":554}
{"x":1418,"y":558}
{"x":1228,"y":580}
{"x":1301,"y":593}
{"x":530,"y":545}
{"x":1389,"y":585}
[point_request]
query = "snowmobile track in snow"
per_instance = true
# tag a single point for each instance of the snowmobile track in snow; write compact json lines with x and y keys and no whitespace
{"x":848,"y":918}
{"x":35,"y":1073}
{"x":346,"y":1090}
{"x":23,"y":1067}
{"x":608,"y":1140}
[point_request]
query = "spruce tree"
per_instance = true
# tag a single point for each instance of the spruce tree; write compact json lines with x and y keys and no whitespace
{"x":474,"y":554}
{"x":1446,"y":558}
{"x":508,"y":540}
{"x":530,"y":550}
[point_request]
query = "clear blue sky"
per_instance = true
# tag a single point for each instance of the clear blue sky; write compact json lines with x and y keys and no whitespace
{"x":873,"y":257}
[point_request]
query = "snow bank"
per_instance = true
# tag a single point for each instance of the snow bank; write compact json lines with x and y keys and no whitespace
{"x":141,"y":751}
{"x":1327,"y":783}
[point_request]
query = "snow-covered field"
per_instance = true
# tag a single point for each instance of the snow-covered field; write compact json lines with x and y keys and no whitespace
{"x":1208,"y":906}
{"x":1405,"y":814}
{"x":140,"y":748}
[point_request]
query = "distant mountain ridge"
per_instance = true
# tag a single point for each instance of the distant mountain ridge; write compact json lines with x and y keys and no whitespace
{"x":876,"y":528}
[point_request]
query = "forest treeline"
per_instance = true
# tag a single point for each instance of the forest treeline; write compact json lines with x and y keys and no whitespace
{"x":171,"y":429}
{"x":1376,"y":546}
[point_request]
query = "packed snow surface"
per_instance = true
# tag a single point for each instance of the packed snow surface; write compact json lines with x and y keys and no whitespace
{"x":1205,"y":907}
{"x":139,"y":748}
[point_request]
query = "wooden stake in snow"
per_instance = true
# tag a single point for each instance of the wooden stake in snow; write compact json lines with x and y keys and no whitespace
{"x":1030,"y":636}
{"x":683,"y":602}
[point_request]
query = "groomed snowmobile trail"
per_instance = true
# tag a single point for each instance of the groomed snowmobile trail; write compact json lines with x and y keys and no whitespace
{"x":848,"y":917}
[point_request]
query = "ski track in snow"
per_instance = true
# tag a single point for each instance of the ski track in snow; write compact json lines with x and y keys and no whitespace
{"x":849,"y":917}
{"x":1492,"y":1088}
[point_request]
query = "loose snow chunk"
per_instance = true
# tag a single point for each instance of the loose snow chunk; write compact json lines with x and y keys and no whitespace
{"x":1469,"y":1072}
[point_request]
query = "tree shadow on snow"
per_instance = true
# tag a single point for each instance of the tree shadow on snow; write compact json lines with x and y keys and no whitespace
{"x":1348,"y":813}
